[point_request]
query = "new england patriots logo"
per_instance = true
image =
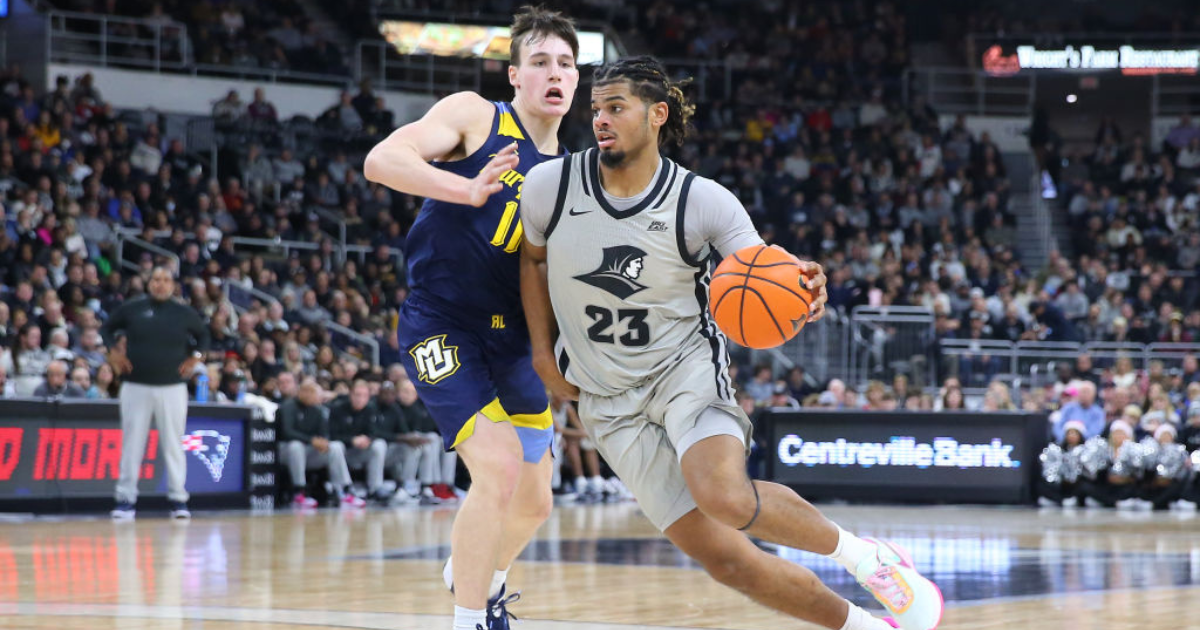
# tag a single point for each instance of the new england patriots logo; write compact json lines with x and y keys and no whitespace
{"x":618,"y":272}
{"x":209,"y":447}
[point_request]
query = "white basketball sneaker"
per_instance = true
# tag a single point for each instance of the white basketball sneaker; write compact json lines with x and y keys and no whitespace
{"x":915,"y":602}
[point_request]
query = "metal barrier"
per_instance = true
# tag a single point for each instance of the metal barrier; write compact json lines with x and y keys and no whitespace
{"x":275,"y":245}
{"x":1041,"y":215}
{"x":964,"y":91}
{"x":202,"y":138}
{"x":123,"y":239}
{"x":425,"y":73}
{"x":340,"y":334}
{"x":890,"y":340}
{"x":242,"y":297}
{"x":284,"y":247}
{"x":977,"y":361}
{"x":821,"y":349}
{"x":341,"y":338}
{"x":1173,"y":95}
{"x":111,"y":40}
{"x":160,"y":45}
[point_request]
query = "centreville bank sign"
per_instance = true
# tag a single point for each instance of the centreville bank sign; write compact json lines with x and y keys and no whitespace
{"x":1130,"y":60}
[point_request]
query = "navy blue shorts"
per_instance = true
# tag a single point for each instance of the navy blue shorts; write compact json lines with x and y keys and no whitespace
{"x":461,"y":372}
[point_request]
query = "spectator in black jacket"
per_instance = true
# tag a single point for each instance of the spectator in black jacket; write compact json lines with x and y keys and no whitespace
{"x":441,"y":479}
{"x":408,"y":451}
{"x":352,"y":421}
{"x":304,"y":442}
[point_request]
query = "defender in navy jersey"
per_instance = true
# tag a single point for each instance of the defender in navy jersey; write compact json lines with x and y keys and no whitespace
{"x":462,"y":328}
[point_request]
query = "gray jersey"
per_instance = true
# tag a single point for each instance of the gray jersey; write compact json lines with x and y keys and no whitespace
{"x":629,"y":277}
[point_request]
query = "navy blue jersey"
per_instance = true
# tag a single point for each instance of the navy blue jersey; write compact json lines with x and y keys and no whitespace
{"x":462,"y":260}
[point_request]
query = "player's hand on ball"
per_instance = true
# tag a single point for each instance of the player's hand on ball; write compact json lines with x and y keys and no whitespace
{"x":487,"y":182}
{"x":816,"y":283}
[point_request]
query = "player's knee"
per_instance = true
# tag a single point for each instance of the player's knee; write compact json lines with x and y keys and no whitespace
{"x":379,"y":448}
{"x":732,"y":570}
{"x":731,"y":504}
{"x":294,"y":448}
{"x":496,"y":473}
{"x":540,"y":509}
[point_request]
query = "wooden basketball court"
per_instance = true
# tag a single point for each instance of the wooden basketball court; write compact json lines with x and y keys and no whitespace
{"x":599,"y":567}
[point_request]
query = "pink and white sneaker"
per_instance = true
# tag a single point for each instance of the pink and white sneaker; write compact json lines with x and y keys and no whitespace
{"x":914,"y":601}
{"x":351,"y":501}
{"x":301,"y":501}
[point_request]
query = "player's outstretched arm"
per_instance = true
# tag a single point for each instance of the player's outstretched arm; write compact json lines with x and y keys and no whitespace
{"x":539,"y":316}
{"x":401,"y":161}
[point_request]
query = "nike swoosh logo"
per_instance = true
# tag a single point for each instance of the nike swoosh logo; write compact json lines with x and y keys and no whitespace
{"x":575,"y":214}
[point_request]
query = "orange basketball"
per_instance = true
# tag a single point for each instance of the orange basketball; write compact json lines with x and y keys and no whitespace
{"x":758,"y":297}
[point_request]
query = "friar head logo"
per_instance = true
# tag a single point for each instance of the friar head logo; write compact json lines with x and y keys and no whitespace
{"x":618,"y":272}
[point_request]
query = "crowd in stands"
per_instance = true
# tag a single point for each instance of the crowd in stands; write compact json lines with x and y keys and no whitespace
{"x":254,"y":34}
{"x":79,"y":177}
{"x":902,"y":207}
{"x":73,"y":176}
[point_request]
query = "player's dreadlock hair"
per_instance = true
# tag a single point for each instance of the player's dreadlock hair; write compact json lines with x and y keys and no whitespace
{"x":649,"y":81}
{"x":535,"y":23}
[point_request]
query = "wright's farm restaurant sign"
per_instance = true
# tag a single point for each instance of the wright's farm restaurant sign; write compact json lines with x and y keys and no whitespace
{"x":1128,"y":59}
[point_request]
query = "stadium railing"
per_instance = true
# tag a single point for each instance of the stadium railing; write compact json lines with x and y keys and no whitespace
{"x":953,"y":90}
{"x":886,"y":341}
{"x":159,"y":46}
{"x":820,"y":349}
{"x":126,"y":240}
{"x":425,"y":73}
{"x":970,"y":359}
{"x":89,"y":38}
{"x":889,"y":340}
{"x":341,"y":338}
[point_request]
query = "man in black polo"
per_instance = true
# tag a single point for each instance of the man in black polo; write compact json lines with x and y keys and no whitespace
{"x":163,"y":341}
{"x":304,"y":442}
{"x":352,"y":421}
{"x":406,"y":449}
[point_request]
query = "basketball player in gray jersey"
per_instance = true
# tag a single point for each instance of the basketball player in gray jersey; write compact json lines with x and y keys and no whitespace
{"x":616,"y":260}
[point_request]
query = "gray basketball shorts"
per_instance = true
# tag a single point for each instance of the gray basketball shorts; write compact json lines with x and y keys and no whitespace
{"x":644,"y":432}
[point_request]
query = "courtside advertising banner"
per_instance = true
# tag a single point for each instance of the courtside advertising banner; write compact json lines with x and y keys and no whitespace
{"x":50,"y":450}
{"x":883,"y":456}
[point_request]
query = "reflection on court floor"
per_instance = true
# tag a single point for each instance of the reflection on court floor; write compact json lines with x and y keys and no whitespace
{"x":591,"y":567}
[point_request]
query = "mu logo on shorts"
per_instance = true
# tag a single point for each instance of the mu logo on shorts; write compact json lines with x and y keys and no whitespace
{"x":618,"y":272}
{"x":435,"y":360}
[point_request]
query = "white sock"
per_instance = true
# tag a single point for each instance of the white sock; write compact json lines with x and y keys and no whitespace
{"x":498,"y":578}
{"x":581,"y":485}
{"x":598,"y":484}
{"x":851,"y":550}
{"x":467,"y":619}
{"x":857,"y":619}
